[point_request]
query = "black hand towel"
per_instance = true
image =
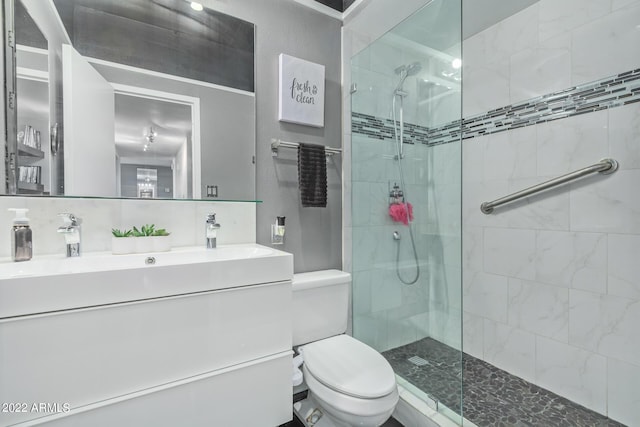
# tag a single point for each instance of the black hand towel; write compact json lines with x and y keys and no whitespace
{"x":312,"y":175}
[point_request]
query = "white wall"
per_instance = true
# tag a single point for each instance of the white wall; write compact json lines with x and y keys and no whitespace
{"x":551,"y":285}
{"x":180,"y":176}
{"x":89,"y":151}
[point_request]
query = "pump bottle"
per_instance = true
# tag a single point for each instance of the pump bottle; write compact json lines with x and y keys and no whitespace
{"x":21,"y":242}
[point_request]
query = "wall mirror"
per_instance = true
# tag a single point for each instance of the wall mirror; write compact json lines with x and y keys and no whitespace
{"x":136,"y":98}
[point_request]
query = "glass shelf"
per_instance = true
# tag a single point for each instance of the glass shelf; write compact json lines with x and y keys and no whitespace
{"x":30,"y":152}
{"x":123,"y":198}
{"x":33,"y":189}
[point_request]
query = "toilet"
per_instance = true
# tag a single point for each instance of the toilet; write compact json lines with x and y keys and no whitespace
{"x":350,"y":383}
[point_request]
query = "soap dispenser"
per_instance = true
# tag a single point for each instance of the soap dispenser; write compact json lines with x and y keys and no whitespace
{"x":277,"y":231}
{"x":21,"y":241}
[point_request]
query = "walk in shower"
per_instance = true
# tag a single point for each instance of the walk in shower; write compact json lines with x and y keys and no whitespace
{"x":406,"y":201}
{"x":525,"y":315}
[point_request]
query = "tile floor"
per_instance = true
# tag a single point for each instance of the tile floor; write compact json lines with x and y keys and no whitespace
{"x":391,"y":422}
{"x":297,"y":423}
{"x":492,"y":397}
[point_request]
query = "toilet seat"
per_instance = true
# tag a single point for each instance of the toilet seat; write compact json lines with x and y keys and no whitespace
{"x":345,"y":407}
{"x":349,"y":367}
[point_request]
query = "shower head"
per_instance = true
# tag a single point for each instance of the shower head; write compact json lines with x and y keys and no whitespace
{"x":405,"y":71}
{"x":409,"y":69}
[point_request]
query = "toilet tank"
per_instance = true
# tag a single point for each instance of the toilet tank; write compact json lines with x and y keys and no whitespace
{"x":320,"y":305}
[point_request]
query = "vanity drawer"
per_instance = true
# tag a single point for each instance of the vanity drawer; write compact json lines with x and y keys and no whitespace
{"x":88,"y":355}
{"x":256,"y":393}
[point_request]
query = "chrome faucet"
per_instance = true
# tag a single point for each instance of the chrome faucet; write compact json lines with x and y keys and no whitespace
{"x":71,"y":231}
{"x":211,"y":230}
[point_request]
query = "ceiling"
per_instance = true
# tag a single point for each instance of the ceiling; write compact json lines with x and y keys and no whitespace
{"x":477,"y":15}
{"x":339,"y":5}
{"x":440,"y":24}
{"x":135,"y":115}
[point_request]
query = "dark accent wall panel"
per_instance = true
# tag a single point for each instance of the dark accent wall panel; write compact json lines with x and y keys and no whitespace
{"x":164,"y":36}
{"x":333,"y":4}
{"x":339,"y":5}
{"x":347,"y":4}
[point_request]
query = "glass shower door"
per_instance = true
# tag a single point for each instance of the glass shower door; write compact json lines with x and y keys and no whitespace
{"x":406,"y":202}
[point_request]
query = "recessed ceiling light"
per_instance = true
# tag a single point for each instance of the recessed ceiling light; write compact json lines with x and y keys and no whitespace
{"x":456,"y":63}
{"x":196,"y":6}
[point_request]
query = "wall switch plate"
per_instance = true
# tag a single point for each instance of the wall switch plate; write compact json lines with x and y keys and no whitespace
{"x":212,"y":191}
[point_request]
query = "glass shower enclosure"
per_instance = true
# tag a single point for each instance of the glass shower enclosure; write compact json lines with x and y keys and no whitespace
{"x":406,"y":202}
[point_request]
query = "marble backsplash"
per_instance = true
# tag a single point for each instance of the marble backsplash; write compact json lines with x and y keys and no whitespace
{"x":183,"y":219}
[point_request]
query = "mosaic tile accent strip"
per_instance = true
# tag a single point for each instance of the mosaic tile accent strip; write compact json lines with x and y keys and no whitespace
{"x":491,"y":396}
{"x":616,"y":91}
{"x":379,"y":128}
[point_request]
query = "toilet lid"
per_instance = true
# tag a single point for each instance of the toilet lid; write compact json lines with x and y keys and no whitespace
{"x":349,"y":367}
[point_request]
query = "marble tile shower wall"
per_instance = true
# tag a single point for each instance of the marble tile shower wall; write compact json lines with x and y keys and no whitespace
{"x":552,"y":284}
{"x":184,"y":219}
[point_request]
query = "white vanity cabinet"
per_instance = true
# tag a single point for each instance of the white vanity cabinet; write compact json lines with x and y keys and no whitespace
{"x":219,"y":357}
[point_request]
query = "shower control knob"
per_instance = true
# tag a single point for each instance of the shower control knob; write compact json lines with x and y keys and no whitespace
{"x":396,"y":235}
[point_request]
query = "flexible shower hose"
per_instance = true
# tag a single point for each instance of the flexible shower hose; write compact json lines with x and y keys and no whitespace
{"x":399,"y":138}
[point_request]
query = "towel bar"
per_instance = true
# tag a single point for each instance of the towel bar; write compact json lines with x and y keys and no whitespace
{"x":277,"y":143}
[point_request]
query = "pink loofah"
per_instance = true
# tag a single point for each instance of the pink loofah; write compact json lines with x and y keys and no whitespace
{"x":398,"y":212}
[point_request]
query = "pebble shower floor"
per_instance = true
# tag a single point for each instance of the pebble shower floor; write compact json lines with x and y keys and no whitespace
{"x":492,"y":397}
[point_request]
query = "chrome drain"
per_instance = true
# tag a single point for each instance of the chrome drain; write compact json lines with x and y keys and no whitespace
{"x":418,"y":361}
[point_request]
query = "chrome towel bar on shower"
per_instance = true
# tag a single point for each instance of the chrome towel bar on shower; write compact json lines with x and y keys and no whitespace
{"x":604,"y":166}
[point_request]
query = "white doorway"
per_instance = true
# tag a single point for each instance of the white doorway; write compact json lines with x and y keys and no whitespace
{"x":149,"y":129}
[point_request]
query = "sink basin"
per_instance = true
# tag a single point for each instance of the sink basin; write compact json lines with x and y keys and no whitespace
{"x":52,"y":283}
{"x":105,"y":261}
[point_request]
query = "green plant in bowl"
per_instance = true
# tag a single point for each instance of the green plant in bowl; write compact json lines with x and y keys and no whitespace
{"x":144,"y":231}
{"x":161,"y":232}
{"x":119,"y":233}
{"x":120,"y":246}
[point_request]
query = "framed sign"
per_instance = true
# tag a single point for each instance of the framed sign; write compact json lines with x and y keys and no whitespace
{"x":301,"y":98}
